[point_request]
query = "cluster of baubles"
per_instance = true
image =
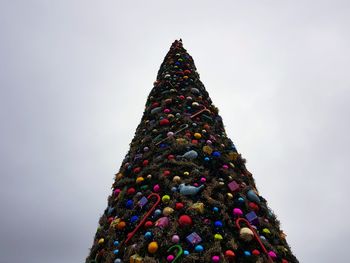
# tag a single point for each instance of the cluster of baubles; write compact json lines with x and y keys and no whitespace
{"x":183,"y":193}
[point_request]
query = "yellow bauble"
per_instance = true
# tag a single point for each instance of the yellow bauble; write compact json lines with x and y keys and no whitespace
{"x":101,"y":241}
{"x":197,"y":135}
{"x":167,"y":211}
{"x":176,"y":179}
{"x":166,"y":198}
{"x":152,"y":247}
{"x":229,"y":195}
{"x":246,"y":234}
{"x":139,"y":179}
{"x":218,"y":237}
{"x":207,"y":149}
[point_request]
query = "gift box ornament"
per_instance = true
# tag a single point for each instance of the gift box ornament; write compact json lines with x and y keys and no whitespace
{"x":142,"y":202}
{"x":252,"y":218}
{"x":193,"y":238}
{"x":233,"y":186}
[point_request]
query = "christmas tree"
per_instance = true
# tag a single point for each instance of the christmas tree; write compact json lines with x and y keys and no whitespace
{"x":183,"y":192}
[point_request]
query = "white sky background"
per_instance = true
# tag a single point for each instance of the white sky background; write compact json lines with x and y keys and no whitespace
{"x":74,"y":78}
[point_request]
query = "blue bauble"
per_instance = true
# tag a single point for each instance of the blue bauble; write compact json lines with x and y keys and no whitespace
{"x":133,"y":219}
{"x":148,"y":235}
{"x":199,"y":248}
{"x":218,"y":224}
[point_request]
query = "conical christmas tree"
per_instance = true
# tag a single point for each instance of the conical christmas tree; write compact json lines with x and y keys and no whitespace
{"x":183,"y":193}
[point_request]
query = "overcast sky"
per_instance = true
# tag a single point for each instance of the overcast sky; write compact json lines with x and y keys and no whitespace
{"x":74,"y":79}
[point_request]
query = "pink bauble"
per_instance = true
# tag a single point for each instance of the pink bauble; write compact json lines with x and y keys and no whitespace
{"x":175,"y":238}
{"x":170,"y":258}
{"x":237,"y":212}
{"x":215,"y":259}
{"x":272,"y":254}
{"x":156,"y":188}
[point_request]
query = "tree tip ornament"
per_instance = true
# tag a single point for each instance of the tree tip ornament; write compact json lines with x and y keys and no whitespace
{"x":183,"y":192}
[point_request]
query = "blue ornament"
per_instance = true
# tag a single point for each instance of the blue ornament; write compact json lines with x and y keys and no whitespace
{"x":115,"y":252}
{"x":157,"y":212}
{"x":174,"y":189}
{"x":189,"y":189}
{"x":118,"y":260}
{"x":129,"y":204}
{"x":216,"y":154}
{"x":218,"y":224}
{"x":133,"y":219}
{"x":241,"y":199}
{"x":148,"y":235}
{"x":186,"y":253}
{"x":247,"y":253}
{"x":199,"y":248}
{"x":116,"y":243}
{"x":207,"y":159}
{"x":215,"y":209}
{"x":251,"y":195}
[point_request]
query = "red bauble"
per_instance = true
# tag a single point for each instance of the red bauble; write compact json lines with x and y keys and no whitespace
{"x":185,"y":220}
{"x":164,"y":122}
{"x":131,"y":191}
{"x":179,"y":206}
{"x":148,"y":224}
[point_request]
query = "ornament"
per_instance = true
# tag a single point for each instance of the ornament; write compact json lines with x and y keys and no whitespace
{"x":215,"y":259}
{"x":190,"y":155}
{"x":233,"y":186}
{"x":148,"y":235}
{"x":177,"y":179}
{"x":157,"y":212}
{"x":156,"y":188}
{"x":175,"y":238}
{"x":252,"y":196}
{"x":136,"y":259}
{"x":230,"y":254}
{"x":162,"y":222}
{"x":246,"y":234}
{"x":252,"y":218}
{"x":165,"y":198}
{"x":199,"y":248}
{"x":198,"y":207}
{"x":101,"y":241}
{"x":272,"y":254}
{"x":216,"y":154}
{"x":193,"y":238}
{"x":218,"y":224}
{"x":207,"y":149}
{"x":179,"y":206}
{"x":218,"y":237}
{"x":179,"y":252}
{"x":266,"y":231}
{"x":152,"y":247}
{"x":237,"y":212}
{"x":189,"y":190}
{"x":185,"y":220}
{"x":164,"y":122}
{"x":197,"y":135}
{"x":167,"y":211}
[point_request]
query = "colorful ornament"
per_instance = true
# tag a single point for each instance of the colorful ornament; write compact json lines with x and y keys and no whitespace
{"x":246,"y":234}
{"x":193,"y":238}
{"x":189,"y":190}
{"x":185,"y":220}
{"x":152,"y":247}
